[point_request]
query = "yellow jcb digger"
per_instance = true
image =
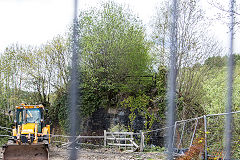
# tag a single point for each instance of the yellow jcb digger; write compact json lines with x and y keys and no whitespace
{"x":30,"y":135}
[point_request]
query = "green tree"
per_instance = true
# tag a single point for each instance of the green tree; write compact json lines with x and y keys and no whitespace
{"x":216,"y":61}
{"x":114,"y":55}
{"x":15,"y":62}
{"x":36,"y":75}
{"x":193,"y":48}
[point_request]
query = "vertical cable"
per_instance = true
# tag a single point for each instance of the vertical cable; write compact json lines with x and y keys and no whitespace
{"x":74,"y":98}
{"x":171,"y":95}
{"x":228,"y":126}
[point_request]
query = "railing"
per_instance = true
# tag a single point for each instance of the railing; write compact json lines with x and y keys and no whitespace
{"x":121,"y":139}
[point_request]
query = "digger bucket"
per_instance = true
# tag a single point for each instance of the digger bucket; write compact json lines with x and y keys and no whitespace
{"x":25,"y":152}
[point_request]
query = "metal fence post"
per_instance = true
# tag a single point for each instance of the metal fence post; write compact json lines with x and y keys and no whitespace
{"x":228,"y":123}
{"x":171,"y":93}
{"x":74,"y":98}
{"x":194,"y":133}
{"x":205,"y":136}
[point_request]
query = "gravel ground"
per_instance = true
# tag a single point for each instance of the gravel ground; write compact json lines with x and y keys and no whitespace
{"x":102,"y":154}
{"x":105,"y":154}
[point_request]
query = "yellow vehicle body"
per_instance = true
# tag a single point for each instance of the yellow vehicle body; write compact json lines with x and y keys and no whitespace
{"x":30,"y":136}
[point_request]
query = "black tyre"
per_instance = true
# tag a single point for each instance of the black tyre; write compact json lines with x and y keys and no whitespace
{"x":10,"y":141}
{"x":45,"y":141}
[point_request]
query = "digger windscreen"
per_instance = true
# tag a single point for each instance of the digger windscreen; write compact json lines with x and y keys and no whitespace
{"x":32,"y":115}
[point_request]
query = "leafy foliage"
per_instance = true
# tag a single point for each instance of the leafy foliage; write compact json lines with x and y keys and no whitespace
{"x":117,"y":67}
{"x":5,"y":122}
{"x":138,"y":105}
{"x":114,"y":56}
{"x":216,"y":89}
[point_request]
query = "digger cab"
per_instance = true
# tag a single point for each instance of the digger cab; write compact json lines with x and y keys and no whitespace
{"x":30,"y":115}
{"x":30,"y":123}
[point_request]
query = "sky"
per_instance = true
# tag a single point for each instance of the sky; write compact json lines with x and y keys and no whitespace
{"x":34,"y":22}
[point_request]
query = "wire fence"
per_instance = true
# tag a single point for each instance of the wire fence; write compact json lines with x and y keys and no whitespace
{"x":87,"y":141}
{"x":205,"y":134}
{"x":216,"y":130}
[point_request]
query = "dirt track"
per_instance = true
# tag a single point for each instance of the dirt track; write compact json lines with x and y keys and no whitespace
{"x":102,"y":154}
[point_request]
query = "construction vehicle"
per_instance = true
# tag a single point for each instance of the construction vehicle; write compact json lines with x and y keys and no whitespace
{"x":30,"y":135}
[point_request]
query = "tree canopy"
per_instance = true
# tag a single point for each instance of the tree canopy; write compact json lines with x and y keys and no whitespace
{"x":193,"y":48}
{"x":114,"y":54}
{"x":119,"y":66}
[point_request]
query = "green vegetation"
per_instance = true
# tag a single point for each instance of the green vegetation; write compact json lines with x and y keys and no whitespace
{"x":120,"y":66}
{"x":115,"y":65}
{"x":114,"y":56}
{"x":4,"y":121}
{"x":216,"y":88}
{"x":193,"y":48}
{"x":154,"y":149}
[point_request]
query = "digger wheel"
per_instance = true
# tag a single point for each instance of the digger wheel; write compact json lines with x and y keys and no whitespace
{"x":45,"y":141}
{"x":10,"y":141}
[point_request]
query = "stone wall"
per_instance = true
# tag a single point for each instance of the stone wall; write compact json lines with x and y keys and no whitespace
{"x":103,"y":119}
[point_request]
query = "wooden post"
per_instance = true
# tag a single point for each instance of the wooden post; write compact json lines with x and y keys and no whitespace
{"x":119,"y":147}
{"x":125,"y":136}
{"x":142,"y":141}
{"x":173,"y":138}
{"x":105,"y":138}
{"x":132,"y":140}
